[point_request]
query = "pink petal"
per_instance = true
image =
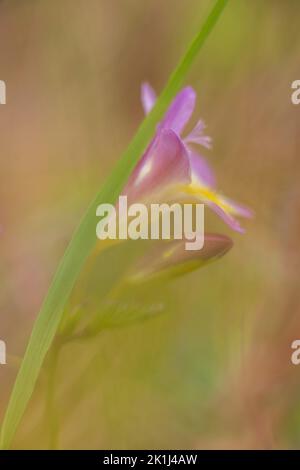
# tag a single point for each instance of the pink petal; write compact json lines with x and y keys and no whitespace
{"x":197,"y":136}
{"x":201,"y":170}
{"x":165,"y":162}
{"x":238,"y":209}
{"x":180,"y":110}
{"x":148,"y":97}
{"x":227,"y":218}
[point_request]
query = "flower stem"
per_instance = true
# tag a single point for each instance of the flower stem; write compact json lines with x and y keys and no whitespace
{"x":51,"y":410}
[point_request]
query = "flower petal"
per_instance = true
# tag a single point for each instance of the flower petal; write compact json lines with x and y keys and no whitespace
{"x":171,"y":259}
{"x":237,"y":209}
{"x":226,"y":217}
{"x":217,"y":202}
{"x":180,"y":110}
{"x":148,"y":97}
{"x":165,"y":163}
{"x":202,"y":172}
{"x":197,"y":136}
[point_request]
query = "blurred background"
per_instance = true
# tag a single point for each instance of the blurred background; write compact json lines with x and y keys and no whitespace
{"x":213,"y":369}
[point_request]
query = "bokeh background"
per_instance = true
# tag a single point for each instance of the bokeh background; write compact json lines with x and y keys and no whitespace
{"x":213,"y":370}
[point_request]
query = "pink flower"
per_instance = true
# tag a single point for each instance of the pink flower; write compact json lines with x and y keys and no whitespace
{"x":171,"y":166}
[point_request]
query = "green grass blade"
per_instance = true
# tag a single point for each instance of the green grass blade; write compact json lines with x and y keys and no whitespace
{"x":84,"y":240}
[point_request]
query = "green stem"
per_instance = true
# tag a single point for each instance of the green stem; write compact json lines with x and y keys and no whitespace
{"x":51,"y":410}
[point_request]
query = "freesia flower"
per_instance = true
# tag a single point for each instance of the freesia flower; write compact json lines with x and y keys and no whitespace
{"x":171,"y":259}
{"x":136,"y":297}
{"x":172,"y":167}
